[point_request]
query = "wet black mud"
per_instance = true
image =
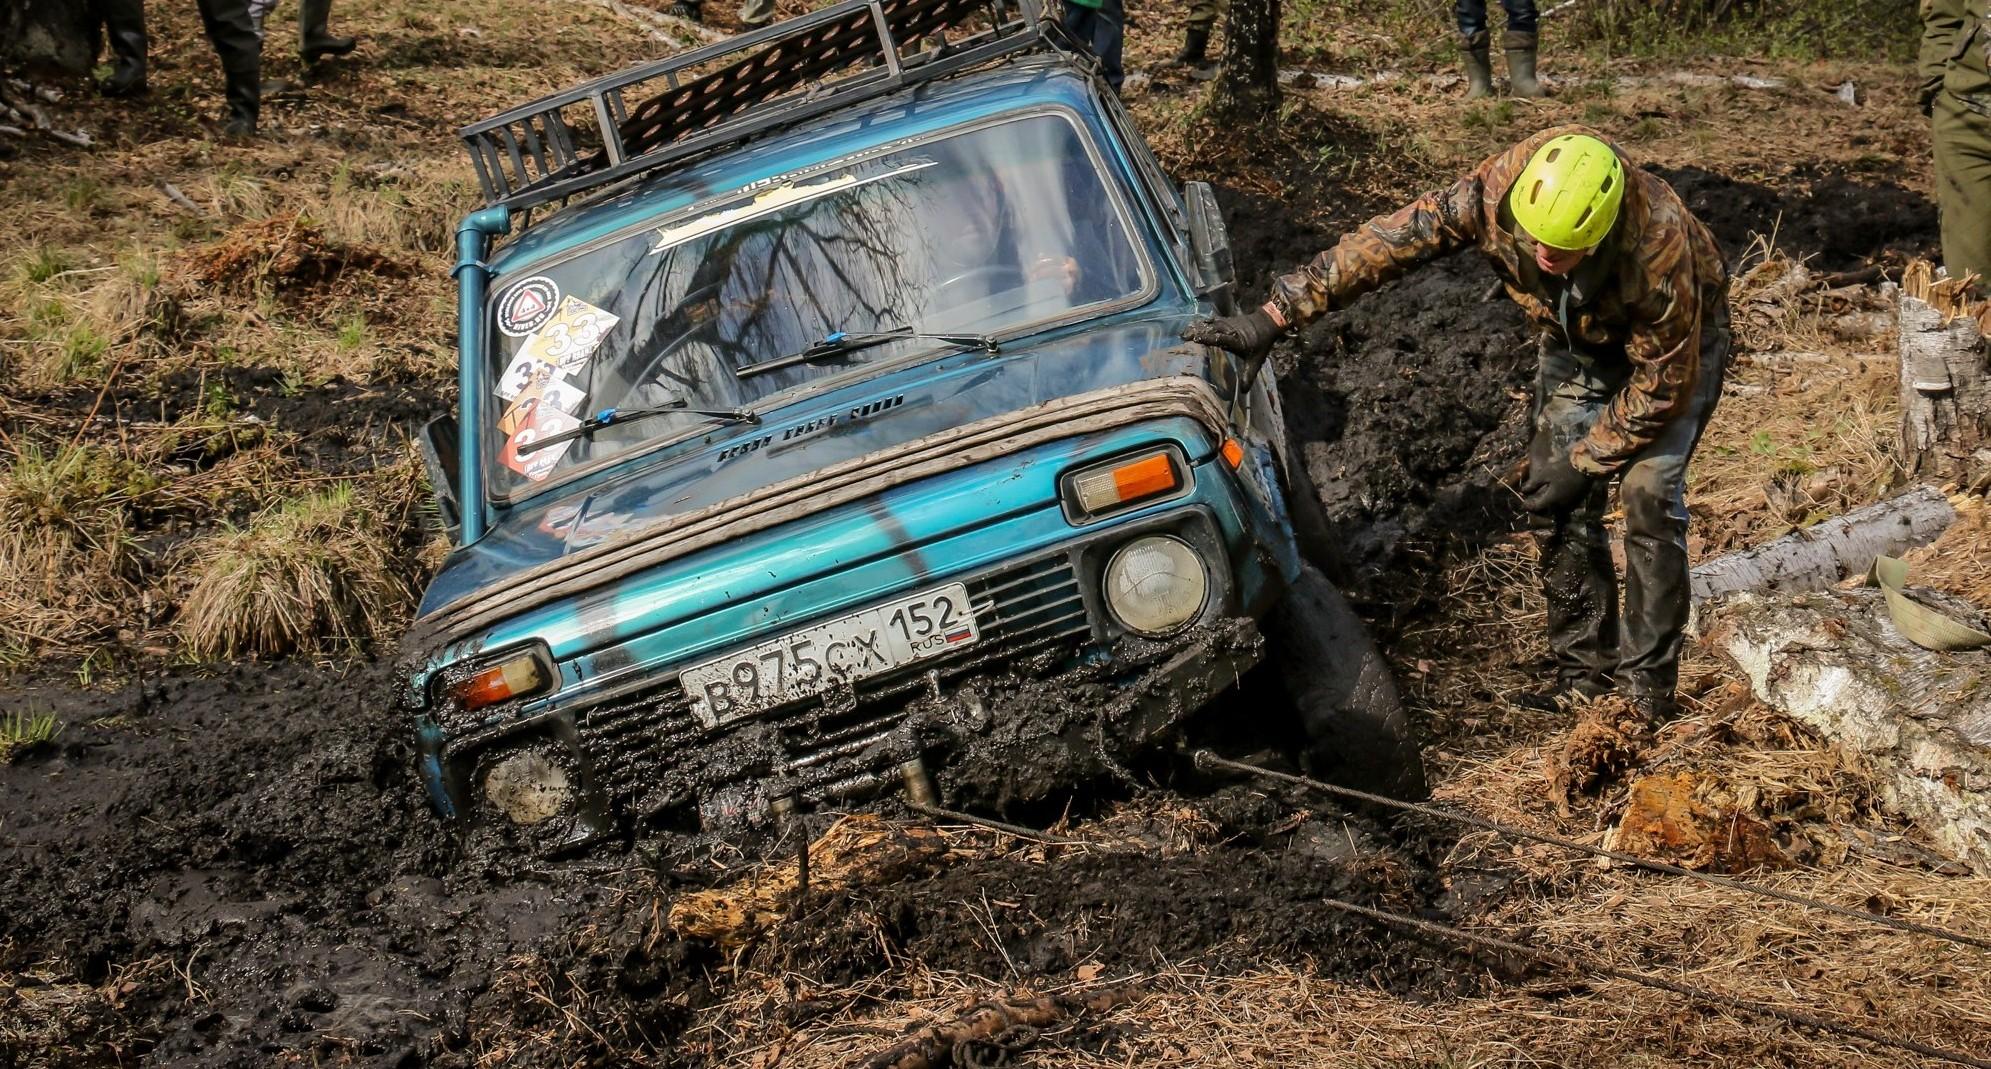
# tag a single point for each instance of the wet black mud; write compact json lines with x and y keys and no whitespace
{"x":1228,"y":909}
{"x":1831,"y":220}
{"x":242,"y":870}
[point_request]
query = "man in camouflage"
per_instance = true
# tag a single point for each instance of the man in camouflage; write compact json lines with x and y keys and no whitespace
{"x":1956,"y":95}
{"x":1628,"y":292}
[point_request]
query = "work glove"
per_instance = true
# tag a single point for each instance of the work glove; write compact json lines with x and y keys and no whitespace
{"x":1249,"y":335}
{"x":1553,"y":485}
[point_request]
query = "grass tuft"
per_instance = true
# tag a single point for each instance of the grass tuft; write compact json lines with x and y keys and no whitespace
{"x":22,"y":729}
{"x":315,"y":569}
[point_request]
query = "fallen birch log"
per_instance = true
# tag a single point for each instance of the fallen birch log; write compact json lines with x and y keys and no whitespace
{"x":1917,"y":719}
{"x":997,"y":1023}
{"x":1833,"y":550}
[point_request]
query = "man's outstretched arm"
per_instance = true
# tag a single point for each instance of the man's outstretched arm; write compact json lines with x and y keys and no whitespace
{"x":1381,"y":250}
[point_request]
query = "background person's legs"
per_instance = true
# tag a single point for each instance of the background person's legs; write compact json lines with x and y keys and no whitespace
{"x":234,"y":38}
{"x":1963,"y":187}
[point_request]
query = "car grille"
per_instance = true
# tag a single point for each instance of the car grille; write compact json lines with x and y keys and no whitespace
{"x":829,"y":750}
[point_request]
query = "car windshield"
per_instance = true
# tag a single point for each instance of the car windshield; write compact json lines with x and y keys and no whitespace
{"x":975,"y":232}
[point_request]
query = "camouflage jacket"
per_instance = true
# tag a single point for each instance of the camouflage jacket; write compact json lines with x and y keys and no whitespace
{"x":1956,"y":52}
{"x":1637,"y":298}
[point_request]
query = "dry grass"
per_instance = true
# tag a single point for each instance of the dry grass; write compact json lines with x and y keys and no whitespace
{"x":1807,"y":425}
{"x":313,"y":571}
{"x":62,"y":323}
{"x":68,"y":562}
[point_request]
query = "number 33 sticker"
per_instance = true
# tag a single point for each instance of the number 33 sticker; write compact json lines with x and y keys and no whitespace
{"x":571,"y":336}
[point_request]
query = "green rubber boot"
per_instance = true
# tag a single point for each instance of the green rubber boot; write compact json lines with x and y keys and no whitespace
{"x":1476,"y":52}
{"x":1521,"y":79}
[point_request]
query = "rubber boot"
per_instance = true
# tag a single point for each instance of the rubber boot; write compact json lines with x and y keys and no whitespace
{"x":124,"y":26}
{"x":1580,"y":586}
{"x":1195,"y":49}
{"x":315,"y":40}
{"x":245,"y":101}
{"x":1476,"y":51}
{"x":1520,"y":48}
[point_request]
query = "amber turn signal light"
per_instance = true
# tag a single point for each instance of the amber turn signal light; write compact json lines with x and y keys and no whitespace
{"x":1233,"y":453}
{"x":517,"y":677}
{"x":1105,"y":489}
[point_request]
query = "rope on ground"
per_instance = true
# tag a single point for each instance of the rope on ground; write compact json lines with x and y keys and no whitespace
{"x":1017,"y":830}
{"x":1206,"y":760}
{"x":1582,"y":963}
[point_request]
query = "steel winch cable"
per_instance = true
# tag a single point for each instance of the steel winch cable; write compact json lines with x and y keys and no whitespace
{"x":1205,"y":759}
{"x":1568,"y":960}
{"x":1583,"y":963}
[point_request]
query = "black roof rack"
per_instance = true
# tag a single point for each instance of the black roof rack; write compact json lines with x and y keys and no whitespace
{"x":587,"y":136}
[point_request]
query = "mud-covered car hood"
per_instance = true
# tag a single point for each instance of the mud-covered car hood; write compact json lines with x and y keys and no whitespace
{"x":896,"y":407}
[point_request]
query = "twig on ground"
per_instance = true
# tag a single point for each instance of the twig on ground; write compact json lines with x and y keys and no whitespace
{"x":173,"y":194}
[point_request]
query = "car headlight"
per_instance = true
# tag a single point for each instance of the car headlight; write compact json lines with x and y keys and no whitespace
{"x":1156,"y":584}
{"x":528,"y":787}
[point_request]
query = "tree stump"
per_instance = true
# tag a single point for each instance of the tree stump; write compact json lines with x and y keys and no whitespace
{"x":59,"y":34}
{"x":1945,"y":384}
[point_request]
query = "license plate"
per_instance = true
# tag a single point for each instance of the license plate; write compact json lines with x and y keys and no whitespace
{"x":850,"y":648}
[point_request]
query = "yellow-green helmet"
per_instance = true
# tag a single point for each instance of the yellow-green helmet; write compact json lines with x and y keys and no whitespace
{"x":1568,"y":195}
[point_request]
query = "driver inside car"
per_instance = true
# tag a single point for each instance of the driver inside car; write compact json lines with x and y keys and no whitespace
{"x":976,"y":239}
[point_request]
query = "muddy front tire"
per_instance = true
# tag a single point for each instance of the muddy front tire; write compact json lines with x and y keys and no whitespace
{"x":1352,"y":727}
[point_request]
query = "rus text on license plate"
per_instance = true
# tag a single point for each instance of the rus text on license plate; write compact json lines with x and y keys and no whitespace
{"x":810,"y":661}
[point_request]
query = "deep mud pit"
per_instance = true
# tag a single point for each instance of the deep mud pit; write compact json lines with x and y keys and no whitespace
{"x":241,"y":867}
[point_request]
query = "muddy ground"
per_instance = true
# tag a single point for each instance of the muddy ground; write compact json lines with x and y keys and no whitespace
{"x":232,"y":864}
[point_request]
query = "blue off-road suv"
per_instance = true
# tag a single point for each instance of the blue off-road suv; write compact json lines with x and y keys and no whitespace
{"x":833,"y":435}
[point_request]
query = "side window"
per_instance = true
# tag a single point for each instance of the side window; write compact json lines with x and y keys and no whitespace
{"x":1160,"y":192}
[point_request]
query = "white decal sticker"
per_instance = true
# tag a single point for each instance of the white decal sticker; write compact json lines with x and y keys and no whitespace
{"x":539,"y":463}
{"x":571,"y":336}
{"x":525,"y":306}
{"x":559,"y":393}
{"x":524,"y":374}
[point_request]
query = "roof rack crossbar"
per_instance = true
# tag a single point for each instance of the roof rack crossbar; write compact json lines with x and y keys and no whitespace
{"x":588,"y":136}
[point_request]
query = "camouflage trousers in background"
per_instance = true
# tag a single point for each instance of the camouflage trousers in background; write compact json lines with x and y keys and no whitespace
{"x":1963,"y":185}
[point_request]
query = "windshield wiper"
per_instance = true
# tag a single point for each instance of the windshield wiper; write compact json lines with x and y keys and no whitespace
{"x":844,"y":341}
{"x":612,"y":416}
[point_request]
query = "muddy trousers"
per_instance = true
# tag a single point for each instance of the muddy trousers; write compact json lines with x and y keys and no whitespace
{"x":1595,"y":647}
{"x":1963,"y":185}
{"x":1521,"y":16}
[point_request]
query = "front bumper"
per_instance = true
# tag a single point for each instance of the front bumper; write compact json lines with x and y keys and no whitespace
{"x":1051,"y":695}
